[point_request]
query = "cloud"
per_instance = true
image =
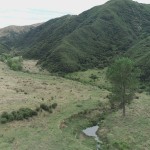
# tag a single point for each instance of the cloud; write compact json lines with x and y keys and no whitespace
{"x":26,"y":16}
{"x":22,"y":12}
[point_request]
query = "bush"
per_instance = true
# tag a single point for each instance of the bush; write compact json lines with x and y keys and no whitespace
{"x":54,"y":105}
{"x":19,"y":116}
{"x":14,"y":64}
{"x":50,"y":111}
{"x":3,"y":120}
{"x":22,"y":113}
{"x":26,"y":112}
{"x":5,"y":115}
{"x":37,"y":109}
{"x":10,"y":117}
{"x":44,"y":107}
{"x":48,"y":108}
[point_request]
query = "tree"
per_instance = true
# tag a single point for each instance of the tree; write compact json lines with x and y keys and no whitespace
{"x":123,"y":76}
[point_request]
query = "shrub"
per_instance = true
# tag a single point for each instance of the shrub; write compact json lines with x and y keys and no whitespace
{"x":15,"y":63}
{"x":50,"y":111}
{"x":3,"y":120}
{"x":10,"y":117}
{"x":5,"y":115}
{"x":26,"y":112}
{"x":37,"y":109}
{"x":22,"y":113}
{"x":44,"y":107}
{"x":54,"y":105}
{"x":34,"y":113}
{"x":19,"y":116}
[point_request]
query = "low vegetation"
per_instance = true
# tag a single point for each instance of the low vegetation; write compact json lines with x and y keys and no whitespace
{"x":28,"y":90}
{"x":77,"y":108}
{"x":22,"y":113}
{"x":79,"y":49}
{"x":130,"y":132}
{"x":14,"y":63}
{"x":25,"y":113}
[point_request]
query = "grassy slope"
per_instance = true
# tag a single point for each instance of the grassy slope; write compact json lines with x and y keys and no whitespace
{"x":84,"y":77}
{"x":44,"y":132}
{"x":11,"y":34}
{"x":133,"y":130}
{"x":27,"y":90}
{"x":140,"y":53}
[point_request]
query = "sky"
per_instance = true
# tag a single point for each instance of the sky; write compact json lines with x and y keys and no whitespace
{"x":25,"y":12}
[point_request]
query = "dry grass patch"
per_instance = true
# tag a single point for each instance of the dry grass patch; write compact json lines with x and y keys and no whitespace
{"x":22,"y":89}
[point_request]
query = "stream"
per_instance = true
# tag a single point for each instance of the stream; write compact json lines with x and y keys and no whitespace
{"x":91,"y":131}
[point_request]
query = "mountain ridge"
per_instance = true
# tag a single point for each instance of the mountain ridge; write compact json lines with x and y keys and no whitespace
{"x":88,"y":40}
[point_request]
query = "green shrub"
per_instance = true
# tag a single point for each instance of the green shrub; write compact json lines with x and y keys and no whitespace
{"x":19,"y":116}
{"x":3,"y":120}
{"x":10,"y":117}
{"x":44,"y":107}
{"x":14,"y":64}
{"x":37,"y":109}
{"x":54,"y":105}
{"x":26,"y":112}
{"x":5,"y":115}
{"x":50,"y":111}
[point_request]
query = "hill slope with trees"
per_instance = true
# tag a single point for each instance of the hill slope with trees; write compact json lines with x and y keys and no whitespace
{"x":91,"y":39}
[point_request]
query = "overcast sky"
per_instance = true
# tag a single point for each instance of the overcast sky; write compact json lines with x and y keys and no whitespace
{"x":24,"y":12}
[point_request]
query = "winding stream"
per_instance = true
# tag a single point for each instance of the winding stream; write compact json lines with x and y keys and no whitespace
{"x":91,"y":131}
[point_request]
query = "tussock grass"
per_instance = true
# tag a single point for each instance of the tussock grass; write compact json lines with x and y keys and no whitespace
{"x":131,"y":132}
{"x":21,"y":90}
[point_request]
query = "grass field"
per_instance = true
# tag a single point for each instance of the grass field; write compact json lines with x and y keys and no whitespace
{"x":85,"y":77}
{"x":19,"y":89}
{"x":62,"y":130}
{"x":131,"y":132}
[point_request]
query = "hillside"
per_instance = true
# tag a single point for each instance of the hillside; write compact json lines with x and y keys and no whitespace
{"x":140,"y":53}
{"x":45,"y":131}
{"x":79,"y":104}
{"x":89,"y":40}
{"x":4,"y":48}
{"x":131,"y":132}
{"x":11,"y":34}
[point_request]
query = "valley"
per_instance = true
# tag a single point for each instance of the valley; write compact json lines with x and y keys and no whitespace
{"x":19,"y":89}
{"x":55,"y":81}
{"x":62,"y":129}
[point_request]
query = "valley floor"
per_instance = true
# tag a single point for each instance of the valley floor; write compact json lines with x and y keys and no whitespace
{"x":61,"y":130}
{"x":25,"y":89}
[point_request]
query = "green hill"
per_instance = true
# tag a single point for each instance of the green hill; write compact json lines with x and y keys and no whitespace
{"x":11,"y":34}
{"x":4,"y":48}
{"x":140,"y":52}
{"x":91,"y":39}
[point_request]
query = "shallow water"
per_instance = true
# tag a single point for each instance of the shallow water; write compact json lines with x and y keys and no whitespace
{"x":91,"y":131}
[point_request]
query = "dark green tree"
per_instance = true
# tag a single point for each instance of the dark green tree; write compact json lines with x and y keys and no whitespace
{"x":123,"y":76}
